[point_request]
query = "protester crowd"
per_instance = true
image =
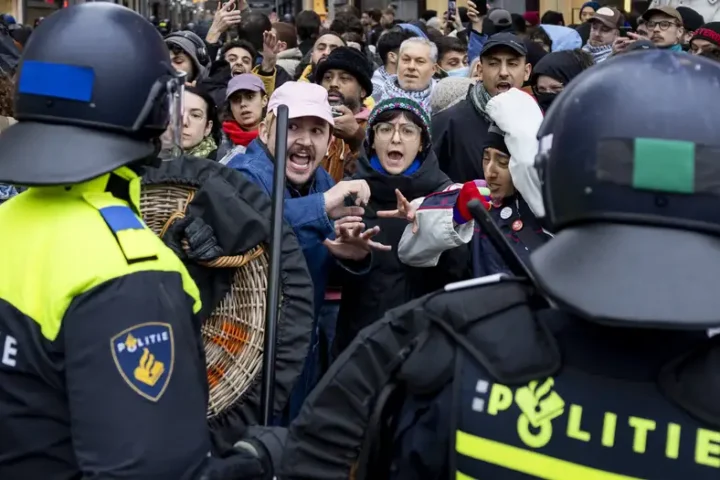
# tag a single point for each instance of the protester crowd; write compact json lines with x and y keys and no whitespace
{"x":394,"y":126}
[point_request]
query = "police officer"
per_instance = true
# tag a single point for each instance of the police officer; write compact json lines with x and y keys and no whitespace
{"x":102,"y":370}
{"x":618,"y":379}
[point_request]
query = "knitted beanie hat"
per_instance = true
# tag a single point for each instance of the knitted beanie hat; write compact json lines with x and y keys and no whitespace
{"x":349,"y":60}
{"x":710,"y":32}
{"x":449,"y":91}
{"x":399,"y":103}
{"x":692,"y":20}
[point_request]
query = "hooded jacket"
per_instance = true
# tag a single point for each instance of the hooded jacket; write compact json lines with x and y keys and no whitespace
{"x":289,"y":60}
{"x":389,"y":283}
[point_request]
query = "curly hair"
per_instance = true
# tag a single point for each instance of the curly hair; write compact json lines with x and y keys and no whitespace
{"x":7,"y":90}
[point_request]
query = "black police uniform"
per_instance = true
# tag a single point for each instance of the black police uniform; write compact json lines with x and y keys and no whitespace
{"x":101,"y":360}
{"x":600,"y":368}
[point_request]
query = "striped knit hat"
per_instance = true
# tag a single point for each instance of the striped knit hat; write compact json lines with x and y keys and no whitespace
{"x":400,"y":103}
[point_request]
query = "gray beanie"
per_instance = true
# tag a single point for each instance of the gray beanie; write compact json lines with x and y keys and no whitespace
{"x":449,"y":91}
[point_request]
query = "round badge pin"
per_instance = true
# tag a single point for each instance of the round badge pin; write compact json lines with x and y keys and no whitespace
{"x":506,"y":213}
{"x":517,"y":225}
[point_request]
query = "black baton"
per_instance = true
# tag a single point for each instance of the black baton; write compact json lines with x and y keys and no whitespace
{"x":273,"y":290}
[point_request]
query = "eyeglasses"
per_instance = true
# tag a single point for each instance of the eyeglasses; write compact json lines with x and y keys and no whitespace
{"x":408,"y":131}
{"x":196,"y":116}
{"x":664,"y":24}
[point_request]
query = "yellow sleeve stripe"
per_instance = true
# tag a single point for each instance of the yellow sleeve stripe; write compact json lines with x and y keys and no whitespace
{"x":526,"y":461}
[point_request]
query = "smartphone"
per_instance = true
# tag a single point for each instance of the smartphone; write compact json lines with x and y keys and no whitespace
{"x":624,"y":31}
{"x":452,"y":9}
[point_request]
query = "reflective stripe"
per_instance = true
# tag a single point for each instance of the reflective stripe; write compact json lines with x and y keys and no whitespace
{"x":462,"y":476}
{"x":528,"y":462}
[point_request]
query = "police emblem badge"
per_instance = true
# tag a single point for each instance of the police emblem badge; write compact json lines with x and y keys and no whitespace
{"x":144,"y":355}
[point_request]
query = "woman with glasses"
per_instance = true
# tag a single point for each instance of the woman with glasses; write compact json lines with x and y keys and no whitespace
{"x":441,"y":223}
{"x":399,"y":158}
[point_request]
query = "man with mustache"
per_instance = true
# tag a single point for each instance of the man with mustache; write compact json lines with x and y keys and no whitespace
{"x":665,"y":27}
{"x":346,"y":75}
{"x":315,"y":206}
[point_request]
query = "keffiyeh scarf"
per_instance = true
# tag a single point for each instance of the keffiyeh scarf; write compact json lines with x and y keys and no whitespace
{"x":599,"y":54}
{"x":393,"y":90}
{"x":479,"y":97}
{"x":7,"y":192}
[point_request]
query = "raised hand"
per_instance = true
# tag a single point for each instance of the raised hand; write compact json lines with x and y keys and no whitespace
{"x":405,"y":211}
{"x":226,"y":16}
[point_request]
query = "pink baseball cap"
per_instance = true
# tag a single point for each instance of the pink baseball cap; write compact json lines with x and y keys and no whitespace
{"x":303,"y":99}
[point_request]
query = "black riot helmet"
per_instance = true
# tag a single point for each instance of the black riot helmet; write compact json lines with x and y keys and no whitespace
{"x":93,"y":93}
{"x":631,"y":184}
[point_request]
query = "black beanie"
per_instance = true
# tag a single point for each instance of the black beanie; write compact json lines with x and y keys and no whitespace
{"x":692,"y":20}
{"x":495,"y":139}
{"x":350,"y":60}
{"x":710,"y":32}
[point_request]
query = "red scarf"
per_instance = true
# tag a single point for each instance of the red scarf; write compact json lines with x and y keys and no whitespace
{"x":237,"y":135}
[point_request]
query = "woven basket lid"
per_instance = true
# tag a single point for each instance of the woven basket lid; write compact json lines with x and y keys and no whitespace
{"x":233,"y":334}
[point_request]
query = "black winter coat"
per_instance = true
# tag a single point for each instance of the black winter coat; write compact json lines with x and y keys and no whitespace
{"x":458,"y":139}
{"x":390,"y":283}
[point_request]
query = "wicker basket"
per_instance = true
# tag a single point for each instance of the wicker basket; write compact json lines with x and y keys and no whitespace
{"x":233,"y":335}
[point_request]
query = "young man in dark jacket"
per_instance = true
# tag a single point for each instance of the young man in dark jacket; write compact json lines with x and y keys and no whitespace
{"x":459,"y":131}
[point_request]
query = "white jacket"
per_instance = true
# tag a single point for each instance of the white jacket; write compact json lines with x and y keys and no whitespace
{"x":518,"y":115}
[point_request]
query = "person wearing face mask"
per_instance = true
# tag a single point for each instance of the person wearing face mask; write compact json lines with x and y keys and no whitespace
{"x":400,"y":158}
{"x":244,"y":110}
{"x":552,"y":74}
{"x":452,"y":58}
{"x":313,"y":202}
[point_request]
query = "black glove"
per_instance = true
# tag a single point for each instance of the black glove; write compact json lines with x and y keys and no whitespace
{"x":199,"y":236}
{"x":241,"y":465}
{"x":267,"y":443}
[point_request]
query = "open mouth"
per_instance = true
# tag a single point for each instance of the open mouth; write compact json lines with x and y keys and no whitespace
{"x":395,"y":156}
{"x":503,"y":86}
{"x":299,"y":162}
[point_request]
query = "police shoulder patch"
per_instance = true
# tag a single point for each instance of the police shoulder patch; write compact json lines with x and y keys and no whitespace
{"x":144,"y":355}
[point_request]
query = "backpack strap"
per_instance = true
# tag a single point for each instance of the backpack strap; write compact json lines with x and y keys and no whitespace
{"x":133,"y":236}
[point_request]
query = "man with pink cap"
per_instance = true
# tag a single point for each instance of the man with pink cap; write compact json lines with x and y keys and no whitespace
{"x":314,"y":205}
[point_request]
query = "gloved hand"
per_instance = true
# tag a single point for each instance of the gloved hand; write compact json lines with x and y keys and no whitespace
{"x":476,"y":189}
{"x":242,"y":464}
{"x":267,"y":443}
{"x":199,"y":236}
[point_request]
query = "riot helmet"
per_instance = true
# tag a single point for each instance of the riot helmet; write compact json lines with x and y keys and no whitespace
{"x":95,"y":90}
{"x":629,"y":159}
